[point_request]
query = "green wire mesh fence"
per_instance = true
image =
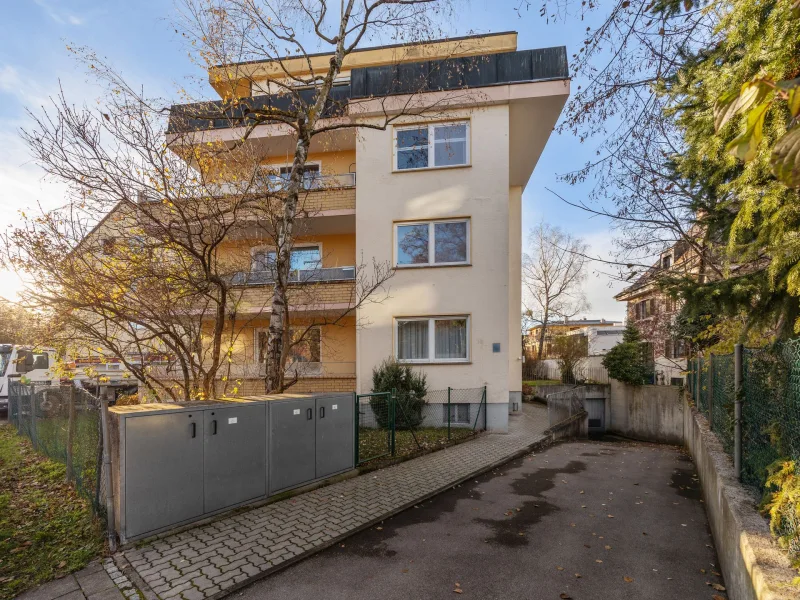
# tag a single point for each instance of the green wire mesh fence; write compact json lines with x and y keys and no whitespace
{"x":63,"y":423}
{"x":770,"y":421}
{"x":395,"y":425}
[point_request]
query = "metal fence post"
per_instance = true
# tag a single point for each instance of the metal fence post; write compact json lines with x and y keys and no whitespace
{"x":110,"y":525}
{"x":711,"y":393}
{"x":33,"y":436}
{"x":355,"y":428}
{"x":485,"y":410}
{"x":393,"y":419}
{"x":448,"y":412}
{"x":699,"y":396}
{"x":737,"y":420}
{"x":70,"y":432}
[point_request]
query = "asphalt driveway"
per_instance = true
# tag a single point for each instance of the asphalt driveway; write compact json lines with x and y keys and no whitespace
{"x":583,"y":520}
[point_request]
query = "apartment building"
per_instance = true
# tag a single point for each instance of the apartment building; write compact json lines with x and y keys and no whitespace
{"x":436,"y":198}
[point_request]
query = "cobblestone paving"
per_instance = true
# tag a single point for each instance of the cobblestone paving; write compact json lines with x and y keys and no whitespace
{"x":212,"y":560}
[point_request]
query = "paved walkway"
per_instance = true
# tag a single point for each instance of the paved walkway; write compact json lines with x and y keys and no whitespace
{"x":210,"y":561}
{"x":98,"y":581}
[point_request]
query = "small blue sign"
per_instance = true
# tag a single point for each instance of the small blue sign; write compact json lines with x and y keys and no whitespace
{"x":495,"y":347}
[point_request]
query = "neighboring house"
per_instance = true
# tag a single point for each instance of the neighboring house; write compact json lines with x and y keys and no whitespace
{"x":592,"y":328}
{"x":600,"y":339}
{"x":653,"y":313}
{"x":439,"y":200}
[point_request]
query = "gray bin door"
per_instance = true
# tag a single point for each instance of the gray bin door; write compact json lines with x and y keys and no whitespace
{"x":163,"y":470}
{"x":291,"y":443}
{"x":335,"y":431}
{"x":235,"y":455}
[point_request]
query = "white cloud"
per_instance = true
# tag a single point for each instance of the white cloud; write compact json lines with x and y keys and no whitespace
{"x":60,"y":16}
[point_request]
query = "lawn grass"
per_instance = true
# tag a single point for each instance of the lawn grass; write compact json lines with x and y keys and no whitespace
{"x":375,"y":442}
{"x":46,"y":529}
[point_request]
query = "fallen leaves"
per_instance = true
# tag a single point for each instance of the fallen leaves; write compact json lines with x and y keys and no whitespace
{"x":564,"y":596}
{"x":627,"y":579}
{"x":458,"y":589}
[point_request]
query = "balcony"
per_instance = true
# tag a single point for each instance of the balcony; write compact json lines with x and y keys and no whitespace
{"x":248,"y":278}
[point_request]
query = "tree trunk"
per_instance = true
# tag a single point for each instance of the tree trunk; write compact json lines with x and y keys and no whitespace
{"x":278,"y":320}
{"x":542,"y":333}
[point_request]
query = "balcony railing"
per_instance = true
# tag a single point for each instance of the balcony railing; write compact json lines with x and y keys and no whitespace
{"x":296,"y":276}
{"x":315,"y":181}
{"x":433,"y":75}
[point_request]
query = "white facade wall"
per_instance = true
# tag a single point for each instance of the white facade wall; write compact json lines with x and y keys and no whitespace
{"x":602,"y":339}
{"x":482,"y":290}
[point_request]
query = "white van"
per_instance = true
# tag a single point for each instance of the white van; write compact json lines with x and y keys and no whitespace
{"x":33,"y":364}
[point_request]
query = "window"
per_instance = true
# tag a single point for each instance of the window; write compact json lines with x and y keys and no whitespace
{"x":436,"y":339}
{"x":666,"y":261}
{"x":432,"y":243}
{"x":459,"y":413}
{"x":679,"y":349}
{"x":280,"y":177}
{"x":302,"y":259}
{"x":308,"y":351}
{"x":676,"y":380}
{"x":28,"y":361}
{"x":432,"y":146}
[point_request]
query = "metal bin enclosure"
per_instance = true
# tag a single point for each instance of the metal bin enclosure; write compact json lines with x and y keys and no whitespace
{"x":164,"y":470}
{"x":235,"y":453}
{"x":334,"y":435}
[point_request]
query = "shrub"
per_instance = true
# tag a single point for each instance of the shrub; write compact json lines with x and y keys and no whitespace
{"x":411,"y":388}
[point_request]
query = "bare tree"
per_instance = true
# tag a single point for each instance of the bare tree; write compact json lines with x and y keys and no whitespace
{"x":553,"y":272}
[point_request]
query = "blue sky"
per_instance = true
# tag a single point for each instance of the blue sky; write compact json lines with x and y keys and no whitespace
{"x":138,"y":39}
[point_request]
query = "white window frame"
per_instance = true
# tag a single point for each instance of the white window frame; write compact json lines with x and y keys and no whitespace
{"x":300,"y":245}
{"x":432,"y":340}
{"x":431,"y":142}
{"x":431,"y":243}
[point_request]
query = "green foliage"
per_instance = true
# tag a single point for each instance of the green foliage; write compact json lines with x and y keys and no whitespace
{"x":782,"y":504}
{"x":628,"y":362}
{"x":410,"y":387}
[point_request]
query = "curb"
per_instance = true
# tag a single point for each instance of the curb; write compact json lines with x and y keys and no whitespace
{"x":537,"y":445}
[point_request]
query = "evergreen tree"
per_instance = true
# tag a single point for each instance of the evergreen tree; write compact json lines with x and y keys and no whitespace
{"x":628,"y":362}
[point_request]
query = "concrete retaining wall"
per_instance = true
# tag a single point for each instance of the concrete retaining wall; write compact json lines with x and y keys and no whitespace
{"x":752,"y":564}
{"x":652,"y":413}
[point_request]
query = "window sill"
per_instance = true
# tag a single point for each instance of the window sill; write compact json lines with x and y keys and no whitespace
{"x":424,"y":169}
{"x":433,"y":266}
{"x":430,"y":362}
